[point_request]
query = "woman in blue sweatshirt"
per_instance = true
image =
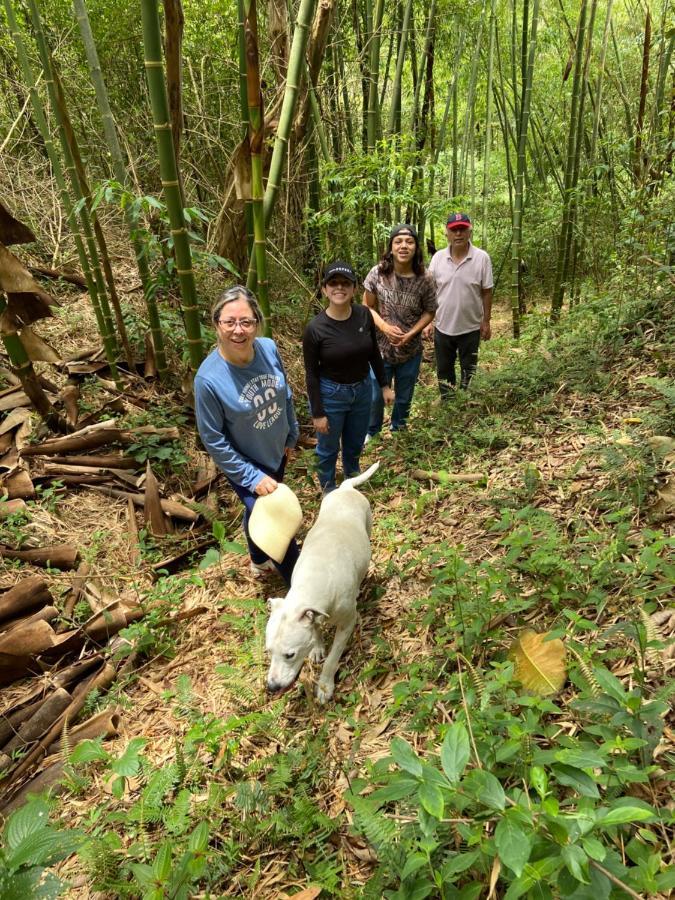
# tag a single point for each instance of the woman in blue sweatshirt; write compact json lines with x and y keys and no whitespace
{"x":244,"y":410}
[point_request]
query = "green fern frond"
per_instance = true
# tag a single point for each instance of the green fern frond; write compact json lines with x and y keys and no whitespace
{"x":66,"y":744}
{"x":475,"y":676}
{"x":652,"y":655}
{"x":587,"y":672}
{"x":181,"y":767}
{"x":378,"y":830}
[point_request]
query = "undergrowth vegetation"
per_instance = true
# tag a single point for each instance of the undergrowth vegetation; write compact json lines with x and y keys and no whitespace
{"x":470,"y":780}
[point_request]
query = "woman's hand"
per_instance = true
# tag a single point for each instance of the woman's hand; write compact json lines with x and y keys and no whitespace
{"x":289,"y":453}
{"x":393,"y":332}
{"x":267,"y":486}
{"x":388,"y":395}
{"x":428,"y":332}
{"x":321,"y":425}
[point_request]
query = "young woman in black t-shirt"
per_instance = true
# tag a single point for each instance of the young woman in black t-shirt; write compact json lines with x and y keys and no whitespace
{"x":339,"y":346}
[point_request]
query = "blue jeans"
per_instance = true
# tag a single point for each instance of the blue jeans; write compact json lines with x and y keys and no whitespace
{"x":404,"y":378}
{"x":248,"y":498}
{"x":347,"y":408}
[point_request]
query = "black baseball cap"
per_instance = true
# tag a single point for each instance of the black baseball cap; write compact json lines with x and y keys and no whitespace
{"x":339,"y":267}
{"x":402,"y":229}
{"x":459,"y":220}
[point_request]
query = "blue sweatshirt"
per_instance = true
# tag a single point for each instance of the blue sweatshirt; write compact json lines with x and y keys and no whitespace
{"x":245,"y":414}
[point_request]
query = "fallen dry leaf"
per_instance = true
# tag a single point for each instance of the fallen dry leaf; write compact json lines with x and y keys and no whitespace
{"x":540,"y":663}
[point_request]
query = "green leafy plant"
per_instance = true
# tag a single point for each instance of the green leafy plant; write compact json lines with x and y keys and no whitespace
{"x":30,"y":845}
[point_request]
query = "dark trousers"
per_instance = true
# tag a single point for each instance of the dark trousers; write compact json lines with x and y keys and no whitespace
{"x":248,"y":498}
{"x":448,"y":347}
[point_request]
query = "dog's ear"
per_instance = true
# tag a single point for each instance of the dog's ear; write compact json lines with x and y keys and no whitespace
{"x":312,"y":615}
{"x":274,"y":602}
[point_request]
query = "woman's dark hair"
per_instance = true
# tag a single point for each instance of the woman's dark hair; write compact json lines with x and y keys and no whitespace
{"x":386,"y":264}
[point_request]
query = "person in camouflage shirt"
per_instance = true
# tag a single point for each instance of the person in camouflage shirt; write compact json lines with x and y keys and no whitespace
{"x":402,"y":300}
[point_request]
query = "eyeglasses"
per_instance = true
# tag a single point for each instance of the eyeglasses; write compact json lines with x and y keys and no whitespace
{"x":244,"y":324}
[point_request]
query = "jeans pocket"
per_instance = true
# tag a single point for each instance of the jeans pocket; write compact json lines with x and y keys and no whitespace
{"x":329,"y":388}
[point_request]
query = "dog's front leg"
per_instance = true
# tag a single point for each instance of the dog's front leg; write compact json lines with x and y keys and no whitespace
{"x":326,"y":685}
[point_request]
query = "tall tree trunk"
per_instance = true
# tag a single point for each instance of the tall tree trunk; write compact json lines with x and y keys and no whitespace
{"x":395,"y":110}
{"x":564,"y":244}
{"x":526,"y":93}
{"x":488,"y":126}
{"x":638,"y":162}
{"x":120,"y":171}
{"x":169,"y":173}
{"x":174,"y":23}
{"x":59,"y":175}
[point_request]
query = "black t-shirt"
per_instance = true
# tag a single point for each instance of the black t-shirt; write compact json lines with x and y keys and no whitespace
{"x":341,"y":350}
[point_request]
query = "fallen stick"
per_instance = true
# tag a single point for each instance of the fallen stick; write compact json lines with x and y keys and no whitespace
{"x":27,"y":594}
{"x":449,"y":477}
{"x":37,"y":725}
{"x":46,"y":614}
{"x":104,"y":725}
{"x":58,"y":556}
{"x":9,"y":723}
{"x":46,"y":779}
{"x":106,"y":461}
{"x":170,"y":507}
{"x":70,"y":277}
{"x":27,"y":640}
{"x":76,"y":588}
{"x":98,"y":438}
{"x":99,"y":681}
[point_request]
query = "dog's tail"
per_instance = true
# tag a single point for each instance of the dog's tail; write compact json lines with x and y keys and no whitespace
{"x":359,"y":479}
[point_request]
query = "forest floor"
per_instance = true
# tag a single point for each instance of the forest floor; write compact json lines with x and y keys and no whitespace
{"x":570,"y":451}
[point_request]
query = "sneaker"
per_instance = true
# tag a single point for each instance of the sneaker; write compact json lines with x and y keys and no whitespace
{"x":261,"y":570}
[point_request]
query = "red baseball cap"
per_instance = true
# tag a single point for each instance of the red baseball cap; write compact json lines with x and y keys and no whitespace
{"x":459,"y":220}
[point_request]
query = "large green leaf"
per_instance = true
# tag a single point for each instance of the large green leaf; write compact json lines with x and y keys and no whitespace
{"x":576,"y":862}
{"x":623,"y":815}
{"x":43,"y":848}
{"x":513,"y":844}
{"x":581,"y":758}
{"x":405,"y":757}
{"x":400,"y":787}
{"x":27,"y":820}
{"x":485,"y":788}
{"x":431,"y":798}
{"x":455,"y":752}
{"x":581,"y":782}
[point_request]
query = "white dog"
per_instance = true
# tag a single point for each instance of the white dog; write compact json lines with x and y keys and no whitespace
{"x":324,"y":587}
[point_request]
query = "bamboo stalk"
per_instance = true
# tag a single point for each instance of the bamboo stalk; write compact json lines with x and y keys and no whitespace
{"x":169,"y":173}
{"x":257,"y":273}
{"x":121,"y":174}
{"x":526,"y":94}
{"x":293,"y":81}
{"x":104,"y":318}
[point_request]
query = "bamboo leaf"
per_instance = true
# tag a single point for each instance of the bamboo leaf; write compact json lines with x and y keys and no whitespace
{"x":540,"y":663}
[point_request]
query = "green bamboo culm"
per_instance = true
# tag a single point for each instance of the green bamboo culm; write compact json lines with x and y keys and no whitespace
{"x":57,"y":169}
{"x":75,"y":185}
{"x":80,"y":176}
{"x":520,"y":172}
{"x":257,"y":273}
{"x":159,"y":103}
{"x":24,"y":371}
{"x":296,"y":64}
{"x":243,"y":108}
{"x":120,"y":170}
{"x":564,"y":245}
